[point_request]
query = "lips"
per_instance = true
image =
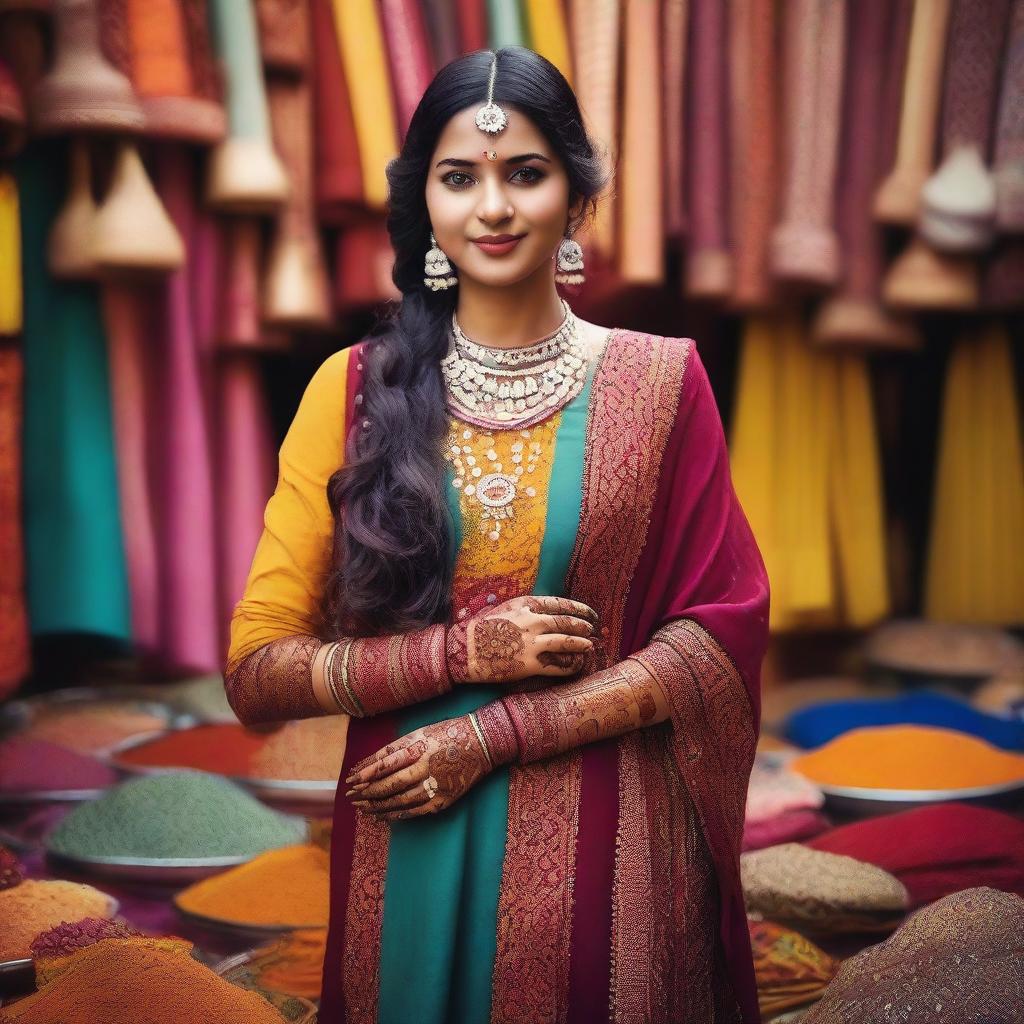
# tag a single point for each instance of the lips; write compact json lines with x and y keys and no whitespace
{"x":497,"y":245}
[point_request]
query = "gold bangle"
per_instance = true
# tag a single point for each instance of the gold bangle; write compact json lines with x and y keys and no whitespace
{"x":359,"y":712}
{"x":329,"y":676}
{"x":480,"y":736}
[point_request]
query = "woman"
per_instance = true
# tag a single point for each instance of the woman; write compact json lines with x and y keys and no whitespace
{"x":542,"y":608}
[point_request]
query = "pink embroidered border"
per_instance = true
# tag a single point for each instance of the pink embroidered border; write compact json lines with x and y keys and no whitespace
{"x":633,"y":415}
{"x":632,"y":409}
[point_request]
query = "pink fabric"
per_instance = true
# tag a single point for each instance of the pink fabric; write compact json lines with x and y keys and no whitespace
{"x":935,"y":851}
{"x":774,"y":790}
{"x":128,"y":314}
{"x":787,"y":827}
{"x":408,"y":55}
{"x":701,"y":562}
{"x":181,"y":452}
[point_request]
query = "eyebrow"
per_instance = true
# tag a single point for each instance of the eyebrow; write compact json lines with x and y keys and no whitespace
{"x":453,"y":162}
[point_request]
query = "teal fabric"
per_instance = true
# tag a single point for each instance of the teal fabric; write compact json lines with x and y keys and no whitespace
{"x":77,"y":577}
{"x":444,"y":871}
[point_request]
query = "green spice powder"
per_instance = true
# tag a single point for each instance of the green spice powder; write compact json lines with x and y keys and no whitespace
{"x":174,"y":815}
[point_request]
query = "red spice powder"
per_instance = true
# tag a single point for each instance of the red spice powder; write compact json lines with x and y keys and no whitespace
{"x":223,"y":748}
{"x":28,"y":764}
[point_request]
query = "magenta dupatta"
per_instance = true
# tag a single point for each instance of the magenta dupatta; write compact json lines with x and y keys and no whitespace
{"x":661,"y":538}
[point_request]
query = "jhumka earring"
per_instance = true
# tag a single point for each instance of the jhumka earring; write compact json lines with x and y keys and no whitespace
{"x":437,"y":271}
{"x":570,"y":262}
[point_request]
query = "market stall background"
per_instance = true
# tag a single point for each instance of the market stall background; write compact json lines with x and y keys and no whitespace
{"x":828,"y":196}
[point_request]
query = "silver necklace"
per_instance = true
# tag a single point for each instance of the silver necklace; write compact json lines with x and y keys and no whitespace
{"x":507,"y":388}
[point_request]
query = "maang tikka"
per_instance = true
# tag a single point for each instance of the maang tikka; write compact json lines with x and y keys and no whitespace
{"x":490,"y":117}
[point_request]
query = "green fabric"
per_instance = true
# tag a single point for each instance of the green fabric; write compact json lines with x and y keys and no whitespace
{"x":236,"y":40}
{"x":77,"y":577}
{"x":506,"y":20}
{"x":444,"y":871}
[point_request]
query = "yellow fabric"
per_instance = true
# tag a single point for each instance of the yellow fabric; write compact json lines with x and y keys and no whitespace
{"x":293,"y":557}
{"x":364,"y":59}
{"x":10,"y":257}
{"x":517,"y":548}
{"x":976,"y":549}
{"x":805,"y":464}
{"x":549,"y":34}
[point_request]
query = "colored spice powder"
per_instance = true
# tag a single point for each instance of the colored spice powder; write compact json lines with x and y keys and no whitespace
{"x":174,"y":815}
{"x":294,"y":964}
{"x":310,"y":748}
{"x":909,"y":757}
{"x":28,"y":764}
{"x":36,"y":906}
{"x":226,"y":749}
{"x":12,"y":871}
{"x":286,"y":888}
{"x":63,"y":939}
{"x":139,"y":981}
{"x":92,"y":727}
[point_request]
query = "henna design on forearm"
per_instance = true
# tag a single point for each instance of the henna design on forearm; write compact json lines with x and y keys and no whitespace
{"x":499,"y":648}
{"x":617,"y":700}
{"x":457,"y":646}
{"x":372,"y":675}
{"x":274,"y":683}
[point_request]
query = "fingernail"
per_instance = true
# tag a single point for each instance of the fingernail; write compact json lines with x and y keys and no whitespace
{"x":350,"y":792}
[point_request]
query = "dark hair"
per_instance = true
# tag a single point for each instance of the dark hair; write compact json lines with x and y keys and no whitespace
{"x":392,"y":562}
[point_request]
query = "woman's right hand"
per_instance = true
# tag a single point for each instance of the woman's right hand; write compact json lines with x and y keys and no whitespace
{"x":522,"y":637}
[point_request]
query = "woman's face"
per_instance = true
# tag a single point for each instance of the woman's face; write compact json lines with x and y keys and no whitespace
{"x":524,"y":192}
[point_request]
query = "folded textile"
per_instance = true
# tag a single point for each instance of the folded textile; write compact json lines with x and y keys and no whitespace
{"x":787,"y":827}
{"x":954,"y":961}
{"x":814,"y":726}
{"x":774,"y":789}
{"x":791,"y":970}
{"x":823,"y":892}
{"x":937,"y":850}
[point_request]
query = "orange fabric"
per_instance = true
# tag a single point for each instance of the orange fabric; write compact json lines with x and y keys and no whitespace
{"x":159,"y":53}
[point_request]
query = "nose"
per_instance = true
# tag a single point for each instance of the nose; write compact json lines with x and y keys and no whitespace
{"x":494,"y":206}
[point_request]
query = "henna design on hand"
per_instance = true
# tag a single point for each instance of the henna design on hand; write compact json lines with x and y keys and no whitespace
{"x":499,"y":648}
{"x":460,"y":760}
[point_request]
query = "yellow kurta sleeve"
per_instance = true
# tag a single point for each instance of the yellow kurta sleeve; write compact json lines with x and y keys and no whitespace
{"x":292,"y":560}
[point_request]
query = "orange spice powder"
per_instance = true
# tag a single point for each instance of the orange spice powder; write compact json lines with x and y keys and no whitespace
{"x":909,"y":757}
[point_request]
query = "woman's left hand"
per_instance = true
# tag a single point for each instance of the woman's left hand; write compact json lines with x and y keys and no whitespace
{"x":421,"y":773}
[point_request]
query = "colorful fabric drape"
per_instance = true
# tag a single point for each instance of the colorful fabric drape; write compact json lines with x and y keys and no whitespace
{"x":976,"y":546}
{"x":806,"y":467}
{"x":361,"y":41}
{"x":10,"y":257}
{"x":506,"y":930}
{"x":77,"y":580}
{"x":549,"y":33}
{"x":14,"y":639}
{"x":791,"y":971}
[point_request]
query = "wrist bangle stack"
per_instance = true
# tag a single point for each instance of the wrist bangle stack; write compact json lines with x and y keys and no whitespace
{"x":480,"y":736}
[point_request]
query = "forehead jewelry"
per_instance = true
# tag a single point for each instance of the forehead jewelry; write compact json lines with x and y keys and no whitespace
{"x":490,"y":154}
{"x":490,"y":117}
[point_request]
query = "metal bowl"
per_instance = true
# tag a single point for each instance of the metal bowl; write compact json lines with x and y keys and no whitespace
{"x":240,"y":970}
{"x":161,"y":871}
{"x":313,"y":791}
{"x":30,"y":796}
{"x":238,"y":929}
{"x":864,"y":802}
{"x":17,"y":977}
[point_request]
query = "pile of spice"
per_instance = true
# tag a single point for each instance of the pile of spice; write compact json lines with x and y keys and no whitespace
{"x":12,"y":871}
{"x":226,"y":749}
{"x":285,"y":888}
{"x":139,"y":981}
{"x":63,"y":939}
{"x":310,"y":748}
{"x":294,"y":964}
{"x":32,"y":765}
{"x":35,"y":906}
{"x":171,"y":816}
{"x":92,"y":726}
{"x":909,"y":757}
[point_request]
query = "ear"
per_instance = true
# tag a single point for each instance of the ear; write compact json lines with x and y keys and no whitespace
{"x":576,"y":208}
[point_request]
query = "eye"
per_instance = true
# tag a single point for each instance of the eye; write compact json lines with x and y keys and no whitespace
{"x":534,"y":174}
{"x":449,"y":179}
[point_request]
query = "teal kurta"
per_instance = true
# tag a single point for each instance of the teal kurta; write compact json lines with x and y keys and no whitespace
{"x":444,"y":872}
